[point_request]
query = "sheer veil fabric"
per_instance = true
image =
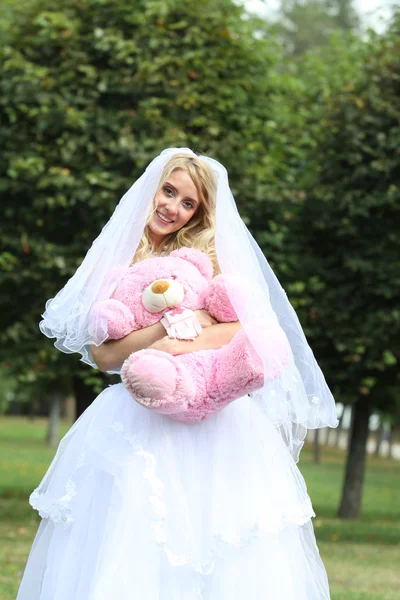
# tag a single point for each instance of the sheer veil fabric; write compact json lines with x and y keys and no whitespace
{"x":296,"y":401}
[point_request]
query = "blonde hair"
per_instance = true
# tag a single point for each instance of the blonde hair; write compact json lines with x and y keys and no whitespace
{"x":199,"y":232}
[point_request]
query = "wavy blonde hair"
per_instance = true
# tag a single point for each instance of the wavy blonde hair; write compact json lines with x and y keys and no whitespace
{"x":199,"y":231}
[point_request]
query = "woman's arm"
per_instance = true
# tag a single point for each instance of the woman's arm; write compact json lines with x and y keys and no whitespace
{"x":212,"y":337}
{"x":110,"y":355}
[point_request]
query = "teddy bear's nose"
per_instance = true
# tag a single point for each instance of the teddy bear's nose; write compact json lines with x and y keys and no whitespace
{"x":160,"y":287}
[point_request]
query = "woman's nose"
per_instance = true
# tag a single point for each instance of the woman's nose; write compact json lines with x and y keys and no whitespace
{"x":171,"y":205}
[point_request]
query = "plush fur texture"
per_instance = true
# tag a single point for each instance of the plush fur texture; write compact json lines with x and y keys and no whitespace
{"x":124,"y":311}
{"x":191,"y":386}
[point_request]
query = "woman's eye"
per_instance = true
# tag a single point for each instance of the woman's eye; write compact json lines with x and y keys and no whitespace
{"x":173,"y":276}
{"x":188,"y":205}
{"x":168,"y":191}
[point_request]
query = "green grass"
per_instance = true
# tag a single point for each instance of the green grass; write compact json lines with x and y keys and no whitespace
{"x":361,"y":557}
{"x":25,"y":455}
{"x":25,"y":458}
{"x":381,"y":489}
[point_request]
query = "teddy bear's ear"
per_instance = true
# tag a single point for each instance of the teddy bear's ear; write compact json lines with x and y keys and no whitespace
{"x":199,"y":259}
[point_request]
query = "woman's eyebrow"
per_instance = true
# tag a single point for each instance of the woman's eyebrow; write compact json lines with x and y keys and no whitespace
{"x":174,"y":188}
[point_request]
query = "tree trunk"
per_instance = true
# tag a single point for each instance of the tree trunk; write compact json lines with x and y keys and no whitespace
{"x":379,"y":437}
{"x":53,"y":435}
{"x":349,"y":431}
{"x":328,"y":437}
{"x":316,"y":447}
{"x":355,"y":468}
{"x":390,"y":442}
{"x":15,"y":407}
{"x":339,"y":428}
{"x":69,"y":407}
{"x":33,"y":408}
{"x":84,"y":395}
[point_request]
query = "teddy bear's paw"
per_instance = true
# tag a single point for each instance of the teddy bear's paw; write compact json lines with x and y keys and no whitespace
{"x":113,"y":317}
{"x":216,"y":298}
{"x":158,"y":381}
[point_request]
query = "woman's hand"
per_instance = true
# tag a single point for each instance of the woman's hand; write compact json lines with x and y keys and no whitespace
{"x":110,"y":355}
{"x":204,"y":318}
{"x":211,"y":338}
{"x":167,"y":344}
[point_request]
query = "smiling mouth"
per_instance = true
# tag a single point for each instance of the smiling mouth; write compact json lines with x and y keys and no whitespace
{"x":163,"y":218}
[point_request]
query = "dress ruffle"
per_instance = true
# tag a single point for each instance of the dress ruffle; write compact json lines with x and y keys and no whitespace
{"x":136,"y":505}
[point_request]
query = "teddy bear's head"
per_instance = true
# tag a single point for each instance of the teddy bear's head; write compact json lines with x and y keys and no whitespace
{"x":154,"y":285}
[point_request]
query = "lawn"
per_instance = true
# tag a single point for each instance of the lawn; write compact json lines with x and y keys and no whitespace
{"x":361,"y":557}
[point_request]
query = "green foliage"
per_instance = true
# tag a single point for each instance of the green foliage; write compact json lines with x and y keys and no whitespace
{"x":301,"y":89}
{"x":347,"y":224}
{"x":89,"y":94}
{"x":8,"y":10}
{"x":308,"y":24}
{"x":7,"y":391}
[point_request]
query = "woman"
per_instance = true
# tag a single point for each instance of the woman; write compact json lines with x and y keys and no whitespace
{"x":183,"y":215}
{"x":136,"y":505}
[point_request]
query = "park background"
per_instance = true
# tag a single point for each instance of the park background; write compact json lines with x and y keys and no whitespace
{"x":302,"y":105}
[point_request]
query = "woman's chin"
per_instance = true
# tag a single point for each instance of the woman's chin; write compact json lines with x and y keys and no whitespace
{"x":159,"y":232}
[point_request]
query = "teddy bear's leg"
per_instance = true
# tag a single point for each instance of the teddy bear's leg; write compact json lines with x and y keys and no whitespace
{"x":239,"y":368}
{"x":158,"y":380}
{"x":112,"y":316}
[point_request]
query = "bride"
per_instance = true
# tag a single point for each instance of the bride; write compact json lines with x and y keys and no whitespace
{"x":137,"y":505}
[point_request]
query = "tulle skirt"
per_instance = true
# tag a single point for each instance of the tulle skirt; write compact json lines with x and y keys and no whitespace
{"x":136,"y":506}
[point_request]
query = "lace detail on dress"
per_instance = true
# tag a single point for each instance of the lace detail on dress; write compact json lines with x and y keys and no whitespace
{"x":59,"y":510}
{"x":56,"y":509}
{"x":160,"y":514}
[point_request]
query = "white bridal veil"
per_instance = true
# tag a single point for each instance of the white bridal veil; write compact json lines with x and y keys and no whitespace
{"x":298,"y":399}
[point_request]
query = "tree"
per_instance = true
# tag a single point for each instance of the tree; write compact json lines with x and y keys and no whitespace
{"x":346,"y":233}
{"x":89,"y":93}
{"x":304,"y":25}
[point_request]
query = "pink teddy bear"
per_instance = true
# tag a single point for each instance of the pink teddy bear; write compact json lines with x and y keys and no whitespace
{"x":191,"y":386}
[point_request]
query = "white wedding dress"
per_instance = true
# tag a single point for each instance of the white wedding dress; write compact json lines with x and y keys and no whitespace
{"x":137,"y":506}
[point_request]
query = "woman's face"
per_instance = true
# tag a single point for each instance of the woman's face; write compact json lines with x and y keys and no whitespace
{"x":175,"y":204}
